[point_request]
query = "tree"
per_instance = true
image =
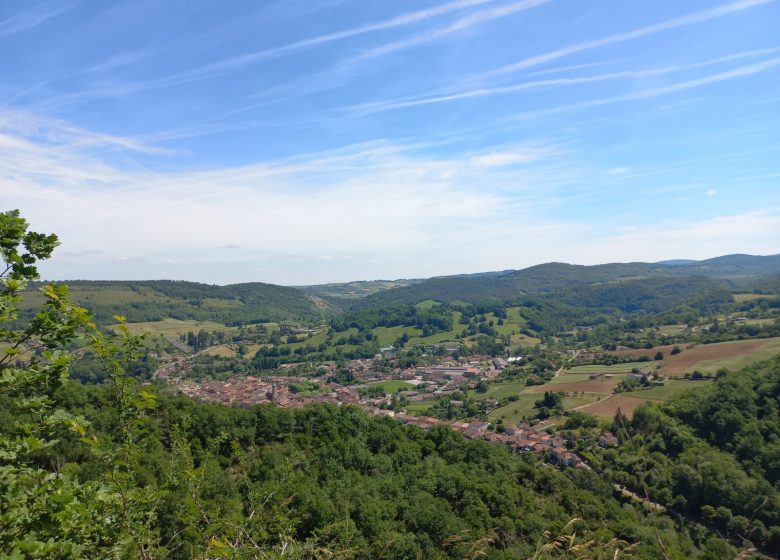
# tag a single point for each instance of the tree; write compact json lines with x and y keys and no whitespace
{"x":44,"y":513}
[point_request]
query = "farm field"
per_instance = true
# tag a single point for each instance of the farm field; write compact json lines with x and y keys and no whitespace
{"x":671,"y":388}
{"x":649,"y":352}
{"x":419,"y":408}
{"x":708,"y":358}
{"x":609,"y":406}
{"x":388,"y":335}
{"x":524,"y":407}
{"x":604,"y":386}
{"x":615,"y":368}
{"x":740,"y":298}
{"x":221,"y":351}
{"x":392,"y":385}
{"x":500,"y":390}
{"x":172,"y":328}
{"x":585,"y":399}
{"x":514,"y":411}
{"x":569,"y":378}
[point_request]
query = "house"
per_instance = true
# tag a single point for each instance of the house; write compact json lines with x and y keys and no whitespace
{"x":476,"y":427}
{"x":608,"y":440}
{"x":499,"y":363}
{"x":511,"y":429}
{"x":388,"y":352}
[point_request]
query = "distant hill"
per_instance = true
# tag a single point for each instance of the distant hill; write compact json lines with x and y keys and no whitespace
{"x":356,"y":289}
{"x":153,"y":300}
{"x":732,"y":271}
{"x":676,"y":262}
{"x":627,"y":286}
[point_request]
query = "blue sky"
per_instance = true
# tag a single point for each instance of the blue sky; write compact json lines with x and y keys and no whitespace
{"x":305,"y":141}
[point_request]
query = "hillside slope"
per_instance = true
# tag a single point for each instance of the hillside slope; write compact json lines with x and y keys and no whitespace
{"x":154,"y":300}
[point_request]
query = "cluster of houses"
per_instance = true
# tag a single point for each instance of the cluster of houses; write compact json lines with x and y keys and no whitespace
{"x":520,"y":439}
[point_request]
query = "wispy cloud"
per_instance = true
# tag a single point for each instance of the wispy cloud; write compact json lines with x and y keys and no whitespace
{"x":556,"y":82}
{"x":462,"y":24}
{"x":33,"y":17}
{"x":689,"y":19}
{"x":740,"y":72}
{"x":238,"y":62}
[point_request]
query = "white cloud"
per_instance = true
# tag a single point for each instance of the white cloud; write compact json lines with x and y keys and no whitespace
{"x":712,"y":192}
{"x":751,"y":232}
{"x":376,"y":210}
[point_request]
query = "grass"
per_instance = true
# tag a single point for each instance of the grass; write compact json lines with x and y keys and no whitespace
{"x":733,"y":363}
{"x":388,"y":335}
{"x":500,"y":390}
{"x":615,"y":368}
{"x":670,"y":389}
{"x":427,"y":304}
{"x":515,"y":411}
{"x":392,"y":386}
{"x":569,"y":378}
{"x":221,"y":351}
{"x":740,"y":298}
{"x":524,"y":340}
{"x":581,"y":400}
{"x":172,"y":328}
{"x":419,"y":408}
{"x":671,"y":330}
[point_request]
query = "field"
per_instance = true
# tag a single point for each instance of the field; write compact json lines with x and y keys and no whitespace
{"x":669,"y":389}
{"x":615,"y":368}
{"x":708,"y":358}
{"x":569,"y":378}
{"x":609,"y":406}
{"x":419,"y":408}
{"x":596,"y":386}
{"x":500,"y":390}
{"x":388,"y":335}
{"x":221,"y":351}
{"x":173,"y":328}
{"x":740,"y":298}
{"x":638,"y":352}
{"x":392,"y":386}
{"x":515,"y":411}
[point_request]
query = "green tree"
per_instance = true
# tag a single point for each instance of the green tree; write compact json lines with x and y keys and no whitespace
{"x":44,"y":512}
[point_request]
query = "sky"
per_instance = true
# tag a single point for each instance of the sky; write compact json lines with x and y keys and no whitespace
{"x":309,"y":141}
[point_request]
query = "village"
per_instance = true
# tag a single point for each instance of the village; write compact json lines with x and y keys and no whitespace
{"x":430,"y":383}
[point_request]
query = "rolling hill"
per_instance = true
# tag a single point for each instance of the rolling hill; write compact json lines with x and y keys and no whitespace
{"x":637,"y":286}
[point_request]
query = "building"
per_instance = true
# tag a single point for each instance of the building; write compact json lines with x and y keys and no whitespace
{"x":608,"y":440}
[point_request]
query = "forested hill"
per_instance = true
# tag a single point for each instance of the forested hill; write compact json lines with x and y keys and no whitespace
{"x":731,"y":271}
{"x":153,"y":300}
{"x":649,"y":287}
{"x":713,"y":453}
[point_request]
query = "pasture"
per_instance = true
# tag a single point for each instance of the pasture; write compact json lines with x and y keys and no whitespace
{"x":709,"y":358}
{"x":741,"y":298}
{"x":515,"y":411}
{"x":671,"y":388}
{"x":614,"y":368}
{"x":392,"y":386}
{"x":500,"y":390}
{"x":609,"y":406}
{"x":173,"y":328}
